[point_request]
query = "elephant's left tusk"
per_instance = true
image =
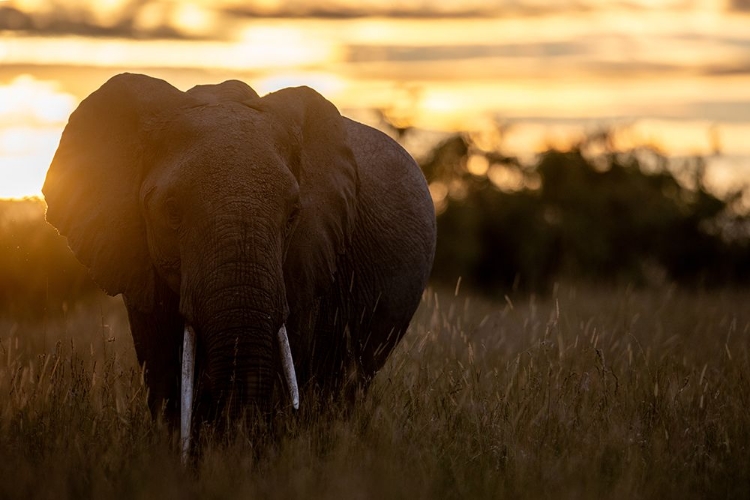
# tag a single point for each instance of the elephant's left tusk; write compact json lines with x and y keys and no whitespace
{"x":288,"y":365}
{"x":186,"y":403}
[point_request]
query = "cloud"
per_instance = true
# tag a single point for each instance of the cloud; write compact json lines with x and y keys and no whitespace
{"x":209,"y":19}
{"x":121,"y":18}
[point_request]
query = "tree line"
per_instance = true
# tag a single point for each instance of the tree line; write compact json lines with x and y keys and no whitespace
{"x":588,"y":213}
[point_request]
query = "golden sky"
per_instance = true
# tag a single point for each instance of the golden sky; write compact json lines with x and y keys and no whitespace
{"x":672,"y":73}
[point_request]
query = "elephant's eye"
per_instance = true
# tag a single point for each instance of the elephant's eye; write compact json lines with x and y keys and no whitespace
{"x":174,"y":215}
{"x":292,"y":220}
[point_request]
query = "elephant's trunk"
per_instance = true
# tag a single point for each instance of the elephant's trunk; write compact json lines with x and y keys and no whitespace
{"x":239,"y":355}
{"x":236,"y":304}
{"x":188,"y":385}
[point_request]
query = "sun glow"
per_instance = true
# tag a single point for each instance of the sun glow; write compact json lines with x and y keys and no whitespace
{"x":674,"y":78}
{"x":280,"y":45}
{"x":257,"y":48}
{"x":32,"y":116}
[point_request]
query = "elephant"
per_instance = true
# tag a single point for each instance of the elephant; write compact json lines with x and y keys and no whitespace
{"x":253,"y":239}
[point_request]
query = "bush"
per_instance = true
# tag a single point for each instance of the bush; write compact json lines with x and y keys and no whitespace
{"x":572,"y":215}
{"x":38,"y":272}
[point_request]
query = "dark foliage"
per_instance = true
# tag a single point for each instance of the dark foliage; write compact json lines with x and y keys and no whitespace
{"x":609,"y":217}
{"x":38,"y":273}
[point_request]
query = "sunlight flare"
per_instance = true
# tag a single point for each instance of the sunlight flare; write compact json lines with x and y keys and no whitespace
{"x":33,"y":114}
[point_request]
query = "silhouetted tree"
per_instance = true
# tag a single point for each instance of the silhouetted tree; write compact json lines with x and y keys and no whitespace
{"x":614,"y":217}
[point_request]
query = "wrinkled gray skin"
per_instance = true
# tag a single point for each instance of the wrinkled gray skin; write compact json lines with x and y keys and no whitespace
{"x":236,"y":214}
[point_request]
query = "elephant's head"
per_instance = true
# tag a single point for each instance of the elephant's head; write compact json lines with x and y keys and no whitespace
{"x":236,"y":204}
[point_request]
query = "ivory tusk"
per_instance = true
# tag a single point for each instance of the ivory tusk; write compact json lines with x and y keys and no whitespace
{"x":186,"y":402}
{"x":288,"y":366}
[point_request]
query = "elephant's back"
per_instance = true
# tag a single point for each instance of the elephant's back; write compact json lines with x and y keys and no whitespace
{"x":393,"y":244}
{"x":395,"y":207}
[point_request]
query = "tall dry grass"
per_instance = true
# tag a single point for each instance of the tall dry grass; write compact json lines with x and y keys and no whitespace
{"x":588,"y":393}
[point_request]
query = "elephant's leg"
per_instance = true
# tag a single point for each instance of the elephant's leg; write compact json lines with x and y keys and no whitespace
{"x":375,"y":324}
{"x":157,"y":336}
{"x":377,"y":343}
{"x":341,"y":368}
{"x":329,"y":347}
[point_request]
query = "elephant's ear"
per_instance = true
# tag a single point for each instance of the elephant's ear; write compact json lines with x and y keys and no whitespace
{"x":92,"y":186}
{"x":325,"y":168}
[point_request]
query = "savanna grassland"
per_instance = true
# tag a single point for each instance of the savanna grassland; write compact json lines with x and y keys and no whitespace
{"x":585,"y":393}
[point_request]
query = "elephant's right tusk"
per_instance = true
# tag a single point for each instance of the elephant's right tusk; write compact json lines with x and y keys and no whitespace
{"x":288,"y":366}
{"x":186,"y":403}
